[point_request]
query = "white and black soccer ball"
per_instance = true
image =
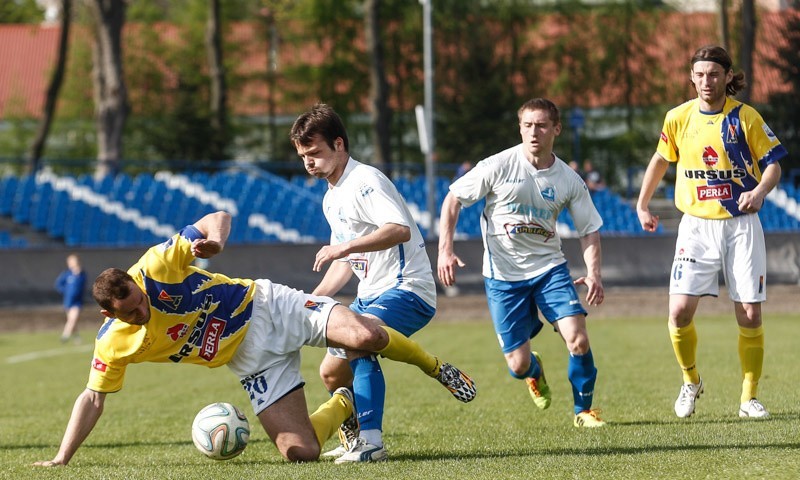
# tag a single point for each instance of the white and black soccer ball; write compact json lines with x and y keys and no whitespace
{"x":220,"y":431}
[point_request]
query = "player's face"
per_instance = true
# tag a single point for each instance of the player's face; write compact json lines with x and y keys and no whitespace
{"x":710,"y":80}
{"x":320,"y":160}
{"x":538,"y":132}
{"x":133,"y":309}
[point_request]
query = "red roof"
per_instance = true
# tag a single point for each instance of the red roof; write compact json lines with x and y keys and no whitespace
{"x":27,"y":55}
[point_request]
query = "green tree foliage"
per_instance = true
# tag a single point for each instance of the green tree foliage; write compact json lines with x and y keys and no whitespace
{"x":20,"y":11}
{"x":782,"y":113}
{"x":483,"y":74}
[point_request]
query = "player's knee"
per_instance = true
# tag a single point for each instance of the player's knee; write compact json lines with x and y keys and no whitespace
{"x":578,"y":345}
{"x":301,"y":453}
{"x":518,"y":367}
{"x":370,"y":337}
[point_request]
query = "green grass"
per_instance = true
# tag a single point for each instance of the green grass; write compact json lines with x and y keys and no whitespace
{"x":144,"y":432}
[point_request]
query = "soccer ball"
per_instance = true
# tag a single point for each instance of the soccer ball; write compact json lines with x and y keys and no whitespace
{"x":220,"y":431}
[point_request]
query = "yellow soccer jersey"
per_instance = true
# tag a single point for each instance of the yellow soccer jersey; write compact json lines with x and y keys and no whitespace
{"x":719,"y":156}
{"x":196,"y":316}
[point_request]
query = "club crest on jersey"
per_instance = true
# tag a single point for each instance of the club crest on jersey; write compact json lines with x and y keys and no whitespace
{"x":710,"y":157}
{"x":731,"y":136}
{"x":175,"y":332}
{"x":365,"y":190}
{"x":312,"y":305}
{"x":549,"y":193}
{"x":170,"y":300}
{"x":528,"y":229}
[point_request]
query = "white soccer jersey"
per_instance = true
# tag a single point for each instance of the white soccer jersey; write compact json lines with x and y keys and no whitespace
{"x":518,"y":223}
{"x":362,"y":201}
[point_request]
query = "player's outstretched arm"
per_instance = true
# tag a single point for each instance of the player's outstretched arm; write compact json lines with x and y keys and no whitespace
{"x":215,"y":227}
{"x":592,"y":257}
{"x":87,"y":410}
{"x":652,"y":176}
{"x":447,"y":259}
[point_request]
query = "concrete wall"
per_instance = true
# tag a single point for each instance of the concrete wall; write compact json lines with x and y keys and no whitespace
{"x":27,"y":276}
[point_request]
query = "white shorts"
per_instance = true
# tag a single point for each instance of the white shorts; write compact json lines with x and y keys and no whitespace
{"x":734,"y":246}
{"x":268,"y":359}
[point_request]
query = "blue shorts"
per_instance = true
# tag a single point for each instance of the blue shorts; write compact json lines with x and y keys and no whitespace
{"x":513,"y":305}
{"x":402,"y":310}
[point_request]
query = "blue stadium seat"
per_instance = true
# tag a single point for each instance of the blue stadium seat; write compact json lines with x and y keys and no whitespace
{"x":8,"y":189}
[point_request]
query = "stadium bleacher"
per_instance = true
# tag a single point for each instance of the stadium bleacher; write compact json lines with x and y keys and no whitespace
{"x":144,"y":209}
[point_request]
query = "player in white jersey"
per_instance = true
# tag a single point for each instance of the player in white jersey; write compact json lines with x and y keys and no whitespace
{"x":164,"y":309}
{"x":524,"y":269}
{"x":373,"y":236}
{"x":726,"y":161}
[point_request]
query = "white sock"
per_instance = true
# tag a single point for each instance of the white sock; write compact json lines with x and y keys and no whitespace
{"x":373,"y":437}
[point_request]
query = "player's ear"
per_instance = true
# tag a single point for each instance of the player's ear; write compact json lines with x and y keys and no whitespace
{"x":108,"y":314}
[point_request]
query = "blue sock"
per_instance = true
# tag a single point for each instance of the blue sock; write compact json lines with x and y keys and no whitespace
{"x":534,"y":371}
{"x":370,"y":389}
{"x":582,"y":375}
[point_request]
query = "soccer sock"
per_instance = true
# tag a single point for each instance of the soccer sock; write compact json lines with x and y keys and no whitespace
{"x":684,"y":343}
{"x":751,"y":356}
{"x":534,"y":371}
{"x":370,"y":389}
{"x":582,"y":375}
{"x":402,"y":349}
{"x":329,"y":416}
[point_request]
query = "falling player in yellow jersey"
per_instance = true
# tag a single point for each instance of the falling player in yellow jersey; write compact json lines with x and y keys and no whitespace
{"x":163,"y":309}
{"x":727,"y":163}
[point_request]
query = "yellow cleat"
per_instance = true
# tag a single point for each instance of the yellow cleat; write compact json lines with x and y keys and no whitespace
{"x":589,"y":419}
{"x":539,"y":390}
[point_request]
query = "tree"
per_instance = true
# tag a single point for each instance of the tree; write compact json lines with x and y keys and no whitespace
{"x":783,"y":107}
{"x":20,"y":11}
{"x":722,"y":24}
{"x":748,"y":47}
{"x":110,"y":92}
{"x":37,"y":147}
{"x":378,"y":88}
{"x":219,"y":93}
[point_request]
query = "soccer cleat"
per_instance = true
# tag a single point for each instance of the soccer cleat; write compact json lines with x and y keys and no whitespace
{"x":589,"y":419}
{"x":690,"y":392}
{"x":361,"y":451}
{"x":349,"y":430}
{"x":539,"y":390}
{"x":753,"y":409}
{"x":457,"y":382}
{"x":336,"y":452}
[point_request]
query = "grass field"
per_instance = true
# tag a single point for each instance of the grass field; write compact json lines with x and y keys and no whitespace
{"x":145,"y":430}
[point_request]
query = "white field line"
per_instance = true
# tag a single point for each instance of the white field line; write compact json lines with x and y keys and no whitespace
{"x":54,"y":352}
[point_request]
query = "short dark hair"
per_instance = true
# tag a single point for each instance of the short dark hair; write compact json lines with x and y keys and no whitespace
{"x":541,"y":104}
{"x":112,"y":284}
{"x":321,"y":120}
{"x":718,"y":55}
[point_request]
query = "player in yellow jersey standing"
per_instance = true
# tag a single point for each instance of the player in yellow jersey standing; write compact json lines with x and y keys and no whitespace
{"x":164,"y":309}
{"x":727,"y":162}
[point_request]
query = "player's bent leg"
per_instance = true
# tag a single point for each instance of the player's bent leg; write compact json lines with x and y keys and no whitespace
{"x":290,"y":428}
{"x":526,"y":365}
{"x":335,"y":372}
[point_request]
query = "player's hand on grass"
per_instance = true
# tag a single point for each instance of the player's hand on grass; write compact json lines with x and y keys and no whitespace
{"x":596,"y":294}
{"x":204,"y":248}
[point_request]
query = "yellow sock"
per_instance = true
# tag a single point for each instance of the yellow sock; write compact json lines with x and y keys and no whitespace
{"x":402,"y":349}
{"x":751,"y":356}
{"x":329,"y":416}
{"x":684,"y":343}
